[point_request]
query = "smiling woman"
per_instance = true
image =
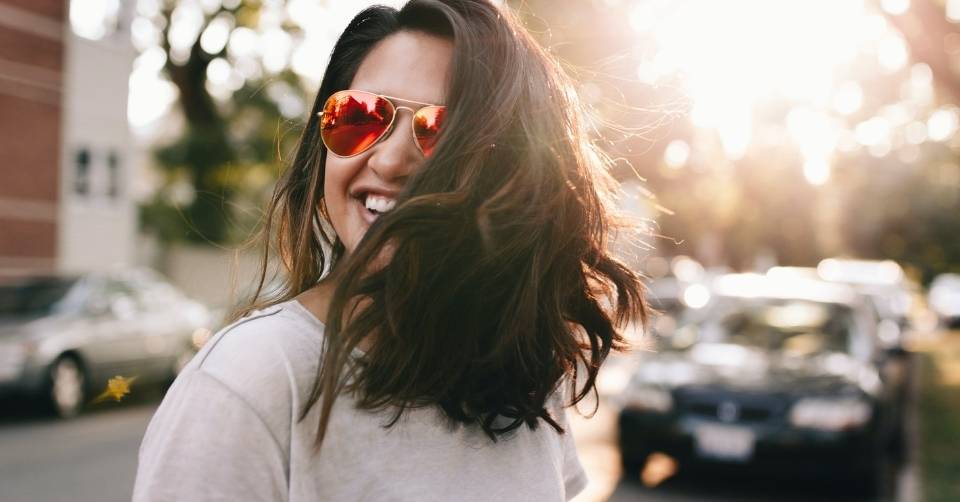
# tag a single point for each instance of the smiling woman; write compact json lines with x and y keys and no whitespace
{"x":364,"y":178}
{"x":443,"y":229}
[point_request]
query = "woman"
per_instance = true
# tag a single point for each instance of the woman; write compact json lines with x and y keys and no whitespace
{"x":443,"y":232}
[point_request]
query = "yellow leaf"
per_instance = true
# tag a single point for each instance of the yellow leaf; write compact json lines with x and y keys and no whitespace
{"x":117,"y":387}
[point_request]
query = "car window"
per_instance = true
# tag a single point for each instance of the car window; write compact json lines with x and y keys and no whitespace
{"x":112,"y":295}
{"x":36,"y":296}
{"x":791,"y":327}
{"x":157,"y":295}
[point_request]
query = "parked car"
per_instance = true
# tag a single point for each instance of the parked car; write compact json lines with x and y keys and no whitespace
{"x":62,"y":337}
{"x":668,"y":297}
{"x":778,"y":373}
{"x":890,"y":292}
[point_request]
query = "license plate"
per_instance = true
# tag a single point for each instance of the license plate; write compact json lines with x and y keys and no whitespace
{"x":724,"y":442}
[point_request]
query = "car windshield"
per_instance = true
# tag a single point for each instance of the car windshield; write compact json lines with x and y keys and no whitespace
{"x":32,"y":297}
{"x":791,"y":327}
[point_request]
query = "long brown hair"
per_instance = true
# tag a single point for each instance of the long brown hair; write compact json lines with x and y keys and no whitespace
{"x":499,"y":282}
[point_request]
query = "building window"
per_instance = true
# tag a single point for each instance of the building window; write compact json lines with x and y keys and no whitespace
{"x":81,"y":178}
{"x":113,"y":170}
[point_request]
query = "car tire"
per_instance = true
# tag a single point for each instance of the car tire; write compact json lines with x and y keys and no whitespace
{"x":632,"y":464}
{"x":631,"y":470}
{"x":66,"y":389}
{"x":897,"y":445}
{"x":868,"y":482}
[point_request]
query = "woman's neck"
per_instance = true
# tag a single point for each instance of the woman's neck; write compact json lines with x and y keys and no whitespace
{"x":317,"y":299}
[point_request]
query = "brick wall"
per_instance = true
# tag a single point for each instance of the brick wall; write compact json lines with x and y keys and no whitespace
{"x":31,"y":88}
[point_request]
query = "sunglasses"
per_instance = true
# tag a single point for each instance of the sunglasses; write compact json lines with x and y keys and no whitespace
{"x":353,"y":121}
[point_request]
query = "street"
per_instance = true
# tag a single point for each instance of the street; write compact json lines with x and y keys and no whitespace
{"x":93,"y":457}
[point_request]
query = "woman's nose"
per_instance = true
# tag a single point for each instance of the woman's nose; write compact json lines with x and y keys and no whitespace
{"x":395,"y":157}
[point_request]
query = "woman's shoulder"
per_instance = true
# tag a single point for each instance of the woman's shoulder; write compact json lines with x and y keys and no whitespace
{"x":225,"y":425}
{"x":284,"y":326}
{"x":266,"y":357}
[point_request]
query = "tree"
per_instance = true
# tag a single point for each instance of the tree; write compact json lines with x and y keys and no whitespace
{"x":228,"y":151}
{"x":901,"y":203}
{"x":932,"y":40}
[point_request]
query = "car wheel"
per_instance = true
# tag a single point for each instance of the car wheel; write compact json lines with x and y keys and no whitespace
{"x":631,"y":469}
{"x":66,"y":391}
{"x":897,"y":445}
{"x":632,"y":463}
{"x":868,"y":482}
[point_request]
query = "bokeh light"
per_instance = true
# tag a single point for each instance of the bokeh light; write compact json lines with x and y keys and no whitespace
{"x":93,"y":19}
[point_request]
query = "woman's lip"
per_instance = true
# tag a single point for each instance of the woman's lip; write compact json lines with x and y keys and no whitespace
{"x":365,"y":214}
{"x":363,"y":191}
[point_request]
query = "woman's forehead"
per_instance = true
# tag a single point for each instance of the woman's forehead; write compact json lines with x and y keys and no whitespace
{"x":409,"y":65}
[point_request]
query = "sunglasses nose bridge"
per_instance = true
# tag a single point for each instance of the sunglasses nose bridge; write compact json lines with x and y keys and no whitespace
{"x":392,"y":157}
{"x":396,"y":121}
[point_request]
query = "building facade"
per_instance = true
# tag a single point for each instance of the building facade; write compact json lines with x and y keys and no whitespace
{"x":65,"y":146}
{"x":32,"y":52}
{"x":97,"y":212}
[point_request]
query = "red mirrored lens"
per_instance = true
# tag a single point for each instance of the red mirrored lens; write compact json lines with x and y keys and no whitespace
{"x":426,"y":127}
{"x":352,"y":121}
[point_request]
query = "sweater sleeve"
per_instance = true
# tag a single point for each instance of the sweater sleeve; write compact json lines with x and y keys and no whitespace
{"x":206,"y":443}
{"x":574,"y":477}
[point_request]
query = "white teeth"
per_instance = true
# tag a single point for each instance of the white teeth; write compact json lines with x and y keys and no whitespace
{"x":379,"y":203}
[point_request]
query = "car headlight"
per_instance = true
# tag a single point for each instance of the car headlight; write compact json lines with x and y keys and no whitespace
{"x":830,"y":414}
{"x":647,"y":398}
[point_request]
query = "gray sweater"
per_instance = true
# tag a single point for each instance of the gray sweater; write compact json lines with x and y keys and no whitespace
{"x":227,"y":430}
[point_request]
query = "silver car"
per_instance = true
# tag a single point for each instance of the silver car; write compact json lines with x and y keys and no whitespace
{"x":63,"y":337}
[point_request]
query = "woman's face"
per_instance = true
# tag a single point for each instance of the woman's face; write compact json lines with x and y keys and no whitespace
{"x":407,"y":65}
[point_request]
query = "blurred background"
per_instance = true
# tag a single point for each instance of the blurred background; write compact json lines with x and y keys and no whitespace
{"x":795,"y":165}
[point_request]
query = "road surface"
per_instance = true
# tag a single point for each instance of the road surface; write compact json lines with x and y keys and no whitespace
{"x":90,"y":458}
{"x":93,"y":458}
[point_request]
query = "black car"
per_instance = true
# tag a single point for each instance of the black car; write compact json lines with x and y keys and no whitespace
{"x":778,"y":374}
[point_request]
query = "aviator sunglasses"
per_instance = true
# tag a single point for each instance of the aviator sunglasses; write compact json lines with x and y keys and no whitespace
{"x":353,"y":121}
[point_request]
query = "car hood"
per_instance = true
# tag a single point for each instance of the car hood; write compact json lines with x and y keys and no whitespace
{"x":738,"y":368}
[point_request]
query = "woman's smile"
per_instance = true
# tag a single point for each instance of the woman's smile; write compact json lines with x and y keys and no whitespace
{"x":409,"y":65}
{"x":372,"y":205}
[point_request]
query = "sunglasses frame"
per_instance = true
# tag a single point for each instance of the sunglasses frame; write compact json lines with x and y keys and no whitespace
{"x":386,"y":131}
